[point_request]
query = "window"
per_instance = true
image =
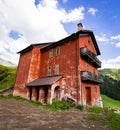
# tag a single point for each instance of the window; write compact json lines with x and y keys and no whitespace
{"x":50,"y":53}
{"x":56,"y":69}
{"x":87,"y":67}
{"x":57,"y":51}
{"x":49,"y":70}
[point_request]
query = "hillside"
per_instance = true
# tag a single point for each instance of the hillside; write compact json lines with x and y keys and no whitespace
{"x":7,"y":76}
{"x":110,"y":102}
{"x":111,"y":73}
{"x":111,"y":84}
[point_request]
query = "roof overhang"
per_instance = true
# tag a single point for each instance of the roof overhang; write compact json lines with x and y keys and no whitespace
{"x":44,"y":81}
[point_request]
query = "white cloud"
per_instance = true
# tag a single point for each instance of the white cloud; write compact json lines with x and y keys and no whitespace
{"x":103,"y":38}
{"x":118,"y":44}
{"x":111,"y":63}
{"x":106,"y":39}
{"x":92,"y":11}
{"x":40,"y":24}
{"x":116,"y":40}
{"x":65,"y":1}
{"x":117,"y":37}
{"x":73,"y":15}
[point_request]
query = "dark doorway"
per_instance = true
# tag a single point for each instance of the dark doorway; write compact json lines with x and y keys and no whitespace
{"x":30,"y":93}
{"x":46,"y":95}
{"x":37,"y":94}
{"x":56,"y":93}
{"x":88,"y":96}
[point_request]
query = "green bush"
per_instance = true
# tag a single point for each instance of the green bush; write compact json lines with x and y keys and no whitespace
{"x":80,"y":107}
{"x":95,"y":109}
{"x":60,"y":105}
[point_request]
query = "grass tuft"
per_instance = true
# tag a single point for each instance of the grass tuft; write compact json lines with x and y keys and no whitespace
{"x":60,"y":105}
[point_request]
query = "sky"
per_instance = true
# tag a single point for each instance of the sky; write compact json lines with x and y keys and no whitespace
{"x":25,"y":22}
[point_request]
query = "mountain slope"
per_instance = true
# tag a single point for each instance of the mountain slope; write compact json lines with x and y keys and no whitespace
{"x":111,"y":73}
{"x":7,"y":76}
{"x":111,"y":84}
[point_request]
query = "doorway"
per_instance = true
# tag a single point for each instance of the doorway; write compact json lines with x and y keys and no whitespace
{"x":37,"y":94}
{"x":88,"y":95}
{"x":56,"y":93}
{"x":46,"y":95}
{"x":30,"y":93}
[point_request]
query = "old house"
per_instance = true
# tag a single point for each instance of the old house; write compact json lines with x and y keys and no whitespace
{"x":66,"y":69}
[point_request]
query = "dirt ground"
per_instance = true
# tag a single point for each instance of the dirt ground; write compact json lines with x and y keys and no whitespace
{"x":21,"y":115}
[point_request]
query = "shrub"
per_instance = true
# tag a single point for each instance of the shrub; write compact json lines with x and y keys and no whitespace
{"x":60,"y":105}
{"x":80,"y":107}
{"x":95,"y":109}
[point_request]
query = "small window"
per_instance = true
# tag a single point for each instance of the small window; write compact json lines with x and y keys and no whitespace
{"x":57,"y":51}
{"x":56,"y":69}
{"x":87,"y":67}
{"x":49,"y":70}
{"x":50,"y":53}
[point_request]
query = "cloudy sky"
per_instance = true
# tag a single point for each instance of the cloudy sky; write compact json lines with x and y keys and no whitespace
{"x":24,"y":22}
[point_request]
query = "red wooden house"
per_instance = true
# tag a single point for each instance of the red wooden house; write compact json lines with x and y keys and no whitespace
{"x":66,"y":69}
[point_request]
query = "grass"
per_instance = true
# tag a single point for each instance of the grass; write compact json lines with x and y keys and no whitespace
{"x":60,"y":105}
{"x":106,"y":117}
{"x":110,"y":102}
{"x":7,"y":76}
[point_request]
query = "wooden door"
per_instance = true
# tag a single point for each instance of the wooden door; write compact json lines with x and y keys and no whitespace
{"x":88,"y":96}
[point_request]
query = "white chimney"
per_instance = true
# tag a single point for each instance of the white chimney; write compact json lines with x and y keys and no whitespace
{"x":80,"y":26}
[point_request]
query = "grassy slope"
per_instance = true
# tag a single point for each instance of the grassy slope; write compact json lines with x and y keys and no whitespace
{"x":112,"y":73}
{"x":110,"y":102}
{"x":7,"y":76}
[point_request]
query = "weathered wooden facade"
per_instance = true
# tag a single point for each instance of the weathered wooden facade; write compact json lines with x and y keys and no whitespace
{"x":66,"y":69}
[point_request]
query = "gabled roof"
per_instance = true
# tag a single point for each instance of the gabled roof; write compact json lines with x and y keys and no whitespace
{"x":49,"y":45}
{"x":74,"y":36}
{"x":32,"y":46}
{"x":44,"y":81}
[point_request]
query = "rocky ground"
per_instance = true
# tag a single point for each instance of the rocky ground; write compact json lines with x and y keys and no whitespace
{"x":21,"y":115}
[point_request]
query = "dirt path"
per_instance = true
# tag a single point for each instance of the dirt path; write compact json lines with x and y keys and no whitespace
{"x":20,"y":115}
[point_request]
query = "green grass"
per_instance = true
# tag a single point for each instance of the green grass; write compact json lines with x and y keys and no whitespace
{"x":7,"y":76}
{"x":110,"y":102}
{"x":106,"y":117}
{"x":60,"y":105}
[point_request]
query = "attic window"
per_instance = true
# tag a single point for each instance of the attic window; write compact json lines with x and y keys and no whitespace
{"x":50,"y":53}
{"x":49,"y":70}
{"x":57,"y":51}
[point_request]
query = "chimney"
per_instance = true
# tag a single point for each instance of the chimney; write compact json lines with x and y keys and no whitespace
{"x":80,"y":26}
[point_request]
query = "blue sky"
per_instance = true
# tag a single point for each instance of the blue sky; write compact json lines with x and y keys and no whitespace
{"x":25,"y":24}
